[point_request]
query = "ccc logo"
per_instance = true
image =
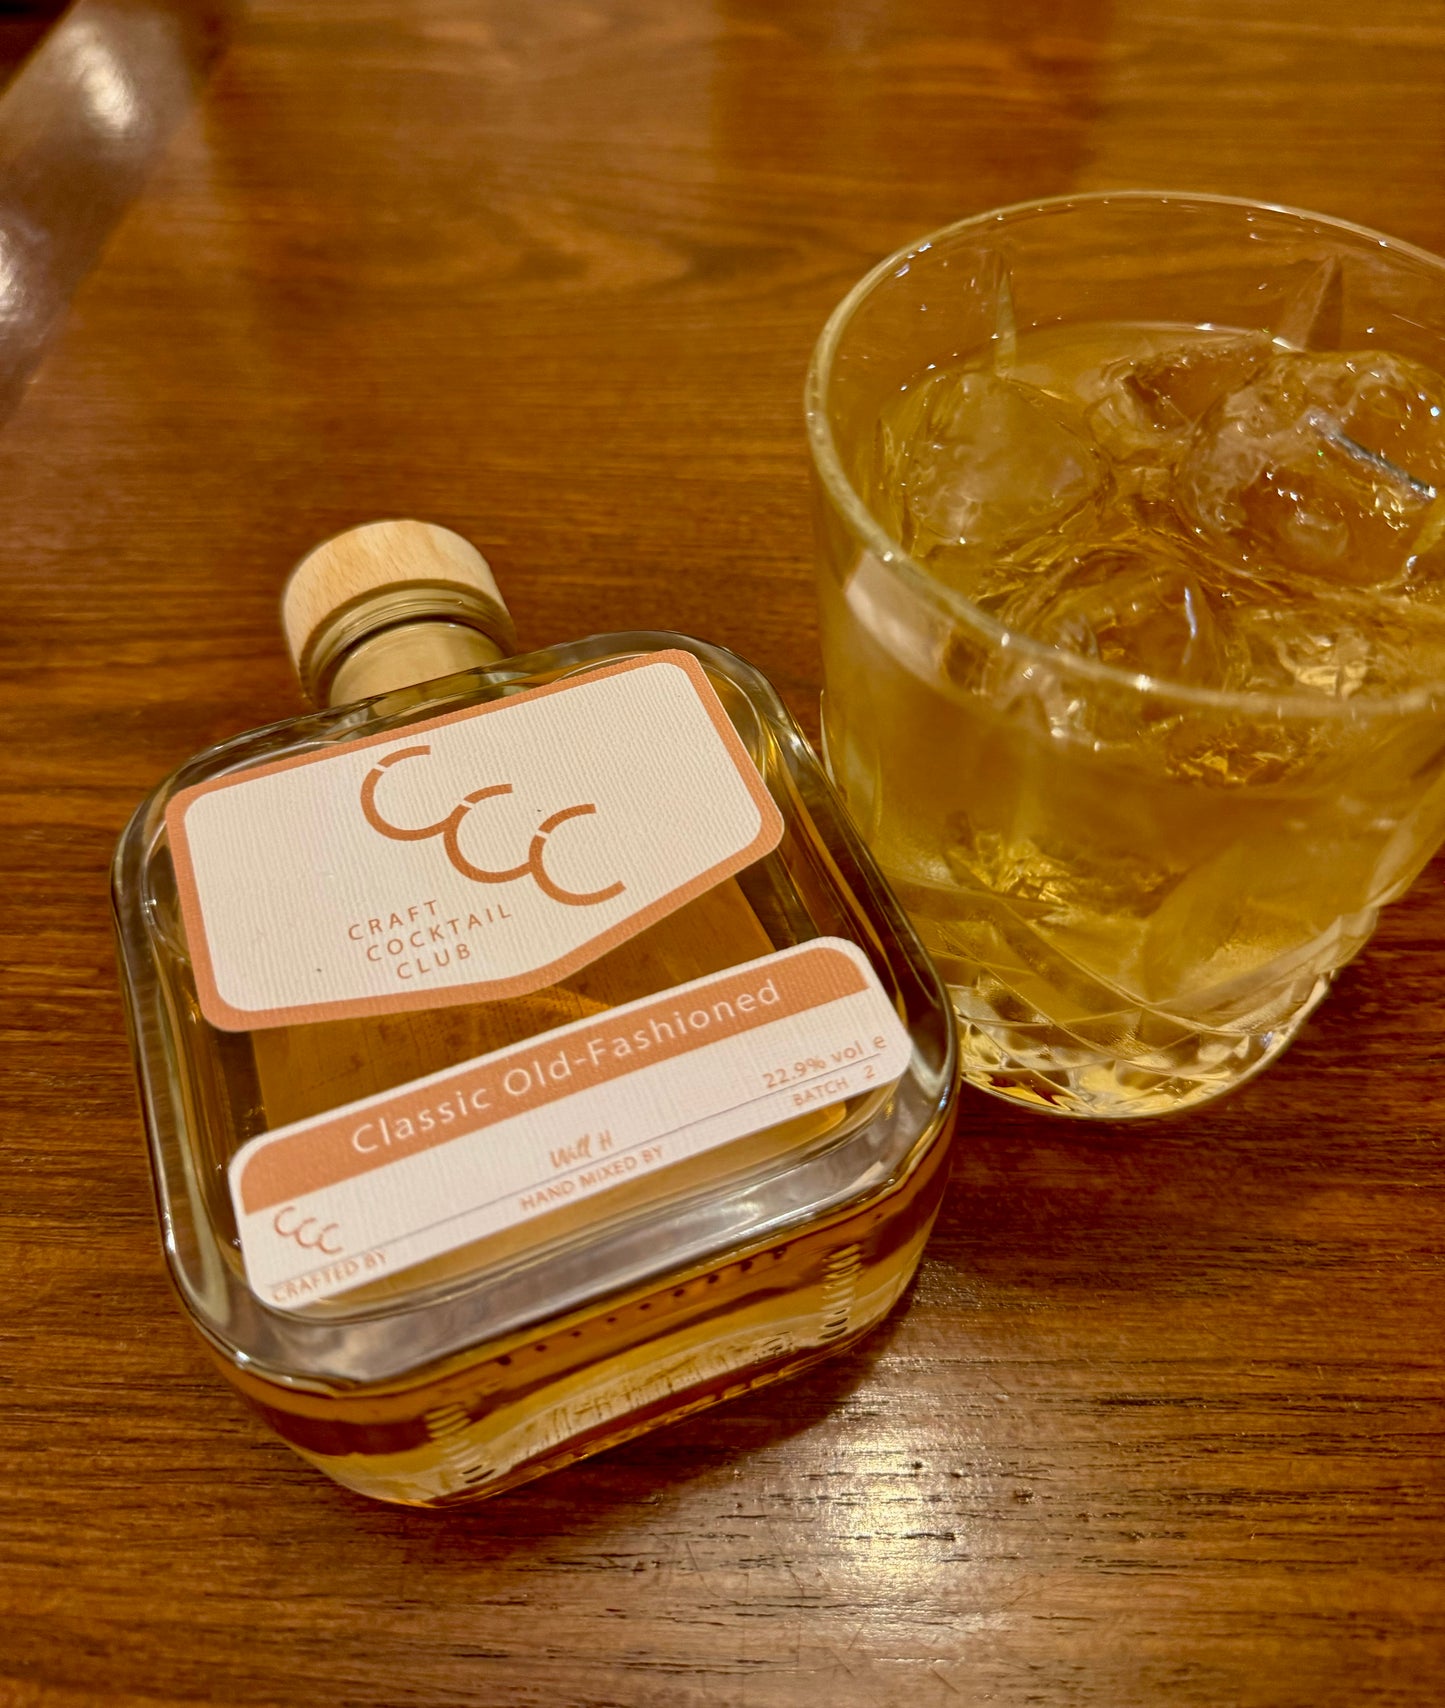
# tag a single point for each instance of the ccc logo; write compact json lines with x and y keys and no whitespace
{"x":308,"y":1233}
{"x":449,"y":829}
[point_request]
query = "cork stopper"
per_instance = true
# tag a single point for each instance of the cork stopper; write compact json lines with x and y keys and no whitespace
{"x":387,"y":576}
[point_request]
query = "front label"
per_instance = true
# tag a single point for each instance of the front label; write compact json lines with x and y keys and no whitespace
{"x":478,"y":855}
{"x":350,"y":1197}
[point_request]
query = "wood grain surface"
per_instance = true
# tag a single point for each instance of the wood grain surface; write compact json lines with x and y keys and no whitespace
{"x":1162,"y":1419}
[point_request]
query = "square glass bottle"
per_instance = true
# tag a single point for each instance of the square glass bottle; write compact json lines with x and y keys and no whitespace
{"x":491,"y":1126}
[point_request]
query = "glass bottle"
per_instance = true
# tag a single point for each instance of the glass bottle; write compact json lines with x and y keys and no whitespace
{"x":618,"y":1306}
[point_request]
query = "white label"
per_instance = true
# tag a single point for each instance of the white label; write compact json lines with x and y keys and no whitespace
{"x":478,"y":855}
{"x":346,"y":1198}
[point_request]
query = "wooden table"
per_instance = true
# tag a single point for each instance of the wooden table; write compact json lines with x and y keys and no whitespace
{"x":1162,"y":1420}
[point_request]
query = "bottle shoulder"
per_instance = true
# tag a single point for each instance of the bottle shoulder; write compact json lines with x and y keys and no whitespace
{"x":738,"y":683}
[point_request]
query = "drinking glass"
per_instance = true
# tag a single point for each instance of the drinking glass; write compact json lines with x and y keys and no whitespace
{"x":1146,"y":742}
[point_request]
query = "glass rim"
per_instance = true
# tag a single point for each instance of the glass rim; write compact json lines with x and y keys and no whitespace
{"x":897,"y":562}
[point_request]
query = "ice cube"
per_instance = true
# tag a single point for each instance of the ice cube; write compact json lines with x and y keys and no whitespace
{"x":1340,"y":642}
{"x":1149,"y":606}
{"x":1308,"y":644}
{"x":1326,"y":466}
{"x":1149,"y":399}
{"x":1175,"y":388}
{"x":975,"y":463}
{"x":1262,"y":902}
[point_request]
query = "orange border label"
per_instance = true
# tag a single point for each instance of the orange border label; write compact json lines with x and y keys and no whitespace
{"x":482,"y":854}
{"x":345,"y":1198}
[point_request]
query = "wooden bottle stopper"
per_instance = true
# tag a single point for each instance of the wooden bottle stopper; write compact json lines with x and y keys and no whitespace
{"x":380,"y":577}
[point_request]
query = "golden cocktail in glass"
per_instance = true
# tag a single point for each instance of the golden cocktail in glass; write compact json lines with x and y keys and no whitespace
{"x":1132,"y":569}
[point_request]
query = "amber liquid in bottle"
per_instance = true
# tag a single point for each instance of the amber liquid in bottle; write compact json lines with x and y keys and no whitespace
{"x":576,"y":1376}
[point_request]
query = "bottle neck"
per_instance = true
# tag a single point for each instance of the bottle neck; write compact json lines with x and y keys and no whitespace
{"x":406,"y":654}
